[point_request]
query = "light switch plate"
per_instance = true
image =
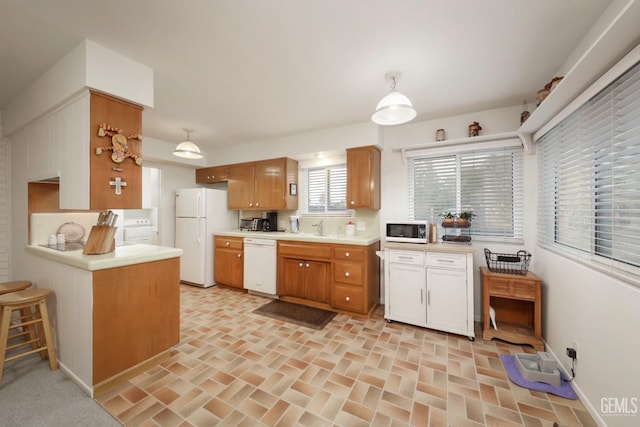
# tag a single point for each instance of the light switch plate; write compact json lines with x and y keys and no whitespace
{"x":361,"y":226}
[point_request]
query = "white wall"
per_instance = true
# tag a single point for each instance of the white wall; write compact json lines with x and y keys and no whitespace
{"x":5,"y":217}
{"x":602,"y":314}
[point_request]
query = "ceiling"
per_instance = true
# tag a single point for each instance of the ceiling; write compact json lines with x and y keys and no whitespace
{"x":244,"y":70}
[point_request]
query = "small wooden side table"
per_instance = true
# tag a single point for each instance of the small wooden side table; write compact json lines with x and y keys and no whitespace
{"x":516,"y":300}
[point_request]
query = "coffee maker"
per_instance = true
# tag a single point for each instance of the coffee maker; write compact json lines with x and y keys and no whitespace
{"x":270,"y":221}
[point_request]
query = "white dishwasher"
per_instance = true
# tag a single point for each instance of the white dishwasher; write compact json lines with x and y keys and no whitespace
{"x":260,"y":265}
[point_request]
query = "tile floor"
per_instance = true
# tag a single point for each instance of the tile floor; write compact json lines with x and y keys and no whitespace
{"x":235,"y":368}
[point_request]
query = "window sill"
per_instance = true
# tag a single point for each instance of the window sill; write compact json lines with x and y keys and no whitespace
{"x":592,"y":262}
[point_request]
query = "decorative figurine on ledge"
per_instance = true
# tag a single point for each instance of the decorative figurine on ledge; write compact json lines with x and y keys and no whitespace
{"x":474,"y":129}
{"x":525,"y":113}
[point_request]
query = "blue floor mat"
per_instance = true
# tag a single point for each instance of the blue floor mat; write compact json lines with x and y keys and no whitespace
{"x":509,"y":362}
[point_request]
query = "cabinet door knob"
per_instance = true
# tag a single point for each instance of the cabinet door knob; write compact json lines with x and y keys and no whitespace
{"x":250,"y":204}
{"x":307,"y":265}
{"x":301,"y":264}
{"x":239,"y":255}
{"x":346,"y":254}
{"x":347,"y":274}
{"x":213,"y":176}
{"x":227,"y":244}
{"x":347,"y":299}
{"x":353,"y":202}
{"x":257,"y":204}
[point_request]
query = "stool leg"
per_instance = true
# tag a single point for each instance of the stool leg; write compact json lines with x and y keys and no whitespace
{"x":39,"y":327}
{"x":26,"y":314}
{"x":46,"y":326}
{"x":4,"y":335}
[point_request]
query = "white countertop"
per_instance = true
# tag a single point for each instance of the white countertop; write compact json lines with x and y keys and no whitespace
{"x":123,"y":255}
{"x":362,"y":240}
{"x":430,"y":247}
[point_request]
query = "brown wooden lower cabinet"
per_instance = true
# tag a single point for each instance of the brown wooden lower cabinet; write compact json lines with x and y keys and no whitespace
{"x":228,"y":263}
{"x":136,"y":315}
{"x":305,"y":279}
{"x":332,"y":276}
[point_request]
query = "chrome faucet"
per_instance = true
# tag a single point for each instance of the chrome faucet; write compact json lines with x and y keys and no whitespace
{"x":319,"y":225}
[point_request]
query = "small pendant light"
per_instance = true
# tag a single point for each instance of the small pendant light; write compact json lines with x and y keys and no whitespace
{"x":395,"y":108}
{"x":187,"y":149}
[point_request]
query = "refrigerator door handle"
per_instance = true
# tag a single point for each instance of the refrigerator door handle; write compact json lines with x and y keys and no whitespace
{"x":198,"y":204}
{"x":198,"y":232}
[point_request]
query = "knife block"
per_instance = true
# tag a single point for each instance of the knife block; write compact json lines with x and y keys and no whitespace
{"x":101,"y":240}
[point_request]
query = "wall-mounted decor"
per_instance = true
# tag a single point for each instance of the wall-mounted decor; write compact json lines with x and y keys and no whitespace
{"x":119,"y":144}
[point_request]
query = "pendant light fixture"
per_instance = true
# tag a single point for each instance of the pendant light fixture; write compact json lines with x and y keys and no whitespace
{"x":187,"y":149}
{"x":395,"y":108}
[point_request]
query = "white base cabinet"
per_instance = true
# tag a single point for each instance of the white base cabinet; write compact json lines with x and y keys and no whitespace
{"x":430,"y":289}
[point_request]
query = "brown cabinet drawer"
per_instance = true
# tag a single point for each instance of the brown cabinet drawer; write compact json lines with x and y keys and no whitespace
{"x":512,"y":288}
{"x":345,"y":253}
{"x":349,"y":298}
{"x":304,"y":251}
{"x":348,"y":272}
{"x":229,"y":242}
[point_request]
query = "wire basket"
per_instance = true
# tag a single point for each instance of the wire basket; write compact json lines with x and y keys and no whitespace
{"x":517,"y":263}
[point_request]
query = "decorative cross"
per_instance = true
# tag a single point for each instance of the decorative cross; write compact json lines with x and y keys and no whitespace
{"x":118,"y":184}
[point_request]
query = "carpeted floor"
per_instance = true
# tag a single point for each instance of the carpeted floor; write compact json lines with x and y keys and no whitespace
{"x":33,"y":395}
{"x":301,"y":315}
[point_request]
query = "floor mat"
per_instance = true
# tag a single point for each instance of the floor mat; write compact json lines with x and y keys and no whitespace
{"x":314,"y":318}
{"x":509,"y":362}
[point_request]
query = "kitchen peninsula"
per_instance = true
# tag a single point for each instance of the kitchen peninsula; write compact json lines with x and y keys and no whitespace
{"x":112,"y":313}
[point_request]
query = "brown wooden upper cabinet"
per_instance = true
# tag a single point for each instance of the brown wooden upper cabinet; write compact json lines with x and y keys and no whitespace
{"x":212,"y":174}
{"x":263,"y":185}
{"x":363,"y":177}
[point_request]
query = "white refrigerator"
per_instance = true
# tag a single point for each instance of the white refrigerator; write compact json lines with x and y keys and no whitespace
{"x":199,"y":213}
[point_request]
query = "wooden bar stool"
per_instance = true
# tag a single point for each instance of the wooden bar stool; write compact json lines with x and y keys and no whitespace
{"x":34,"y":318}
{"x":15,"y":286}
{"x":18,"y":285}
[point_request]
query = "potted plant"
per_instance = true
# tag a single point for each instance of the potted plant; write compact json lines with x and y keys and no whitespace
{"x":448,"y":219}
{"x":465,"y":218}
{"x":462,"y":220}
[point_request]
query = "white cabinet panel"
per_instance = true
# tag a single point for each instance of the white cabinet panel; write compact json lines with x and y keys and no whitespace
{"x":447,"y":300}
{"x":406,"y":298}
{"x":430,"y":289}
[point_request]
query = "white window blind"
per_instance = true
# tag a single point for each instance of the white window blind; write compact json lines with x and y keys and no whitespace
{"x":589,"y":178}
{"x":326,"y":190}
{"x":487,"y":182}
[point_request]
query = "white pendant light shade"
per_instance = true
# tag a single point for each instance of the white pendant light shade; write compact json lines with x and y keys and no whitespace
{"x":395,"y":108}
{"x":187,"y":149}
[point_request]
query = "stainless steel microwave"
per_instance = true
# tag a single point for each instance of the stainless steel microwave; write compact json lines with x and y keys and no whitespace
{"x":407,"y":231}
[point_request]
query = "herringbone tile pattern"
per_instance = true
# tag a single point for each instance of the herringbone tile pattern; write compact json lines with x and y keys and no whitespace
{"x":235,"y":368}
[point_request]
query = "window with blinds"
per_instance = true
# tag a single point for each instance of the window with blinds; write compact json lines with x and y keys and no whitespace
{"x":487,"y":182}
{"x":589,"y":178}
{"x":326,"y":190}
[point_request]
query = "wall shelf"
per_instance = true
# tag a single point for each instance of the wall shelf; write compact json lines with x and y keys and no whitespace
{"x":482,"y":141}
